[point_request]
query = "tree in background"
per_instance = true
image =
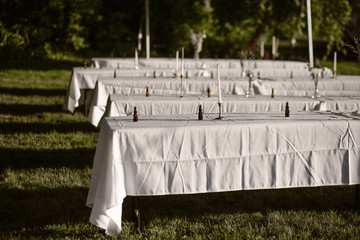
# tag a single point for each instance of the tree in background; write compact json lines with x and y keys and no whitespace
{"x":252,"y":21}
{"x":58,"y":28}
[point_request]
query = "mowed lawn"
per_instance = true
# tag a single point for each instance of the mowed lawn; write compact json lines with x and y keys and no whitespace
{"x":45,"y":168}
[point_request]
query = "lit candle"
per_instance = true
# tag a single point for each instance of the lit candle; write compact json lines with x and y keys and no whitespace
{"x":182,"y":62}
{"x":218,"y":84}
{"x":177,"y":64}
{"x":136,"y":59}
{"x":335,"y":58}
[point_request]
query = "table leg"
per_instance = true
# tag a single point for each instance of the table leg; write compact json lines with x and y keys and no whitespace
{"x":85,"y":102}
{"x":136,"y":211}
{"x":357,"y":196}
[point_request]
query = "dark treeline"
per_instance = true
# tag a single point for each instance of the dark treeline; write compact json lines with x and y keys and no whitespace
{"x":86,"y":28}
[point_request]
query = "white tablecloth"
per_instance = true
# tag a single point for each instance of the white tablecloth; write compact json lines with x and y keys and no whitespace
{"x":151,"y":63}
{"x":277,"y":78}
{"x":159,"y":86}
{"x":203,"y":63}
{"x":344,"y":85}
{"x":82,"y":79}
{"x":123,"y":105}
{"x":86,"y":79}
{"x":181,"y":155}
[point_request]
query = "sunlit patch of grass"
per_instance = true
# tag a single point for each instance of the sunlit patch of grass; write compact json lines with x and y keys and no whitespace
{"x":40,"y":178}
{"x":34,"y":79}
{"x":54,"y":140}
{"x":38,"y":100}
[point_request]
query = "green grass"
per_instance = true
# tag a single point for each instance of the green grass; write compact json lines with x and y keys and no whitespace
{"x":344,"y":68}
{"x":45,"y":168}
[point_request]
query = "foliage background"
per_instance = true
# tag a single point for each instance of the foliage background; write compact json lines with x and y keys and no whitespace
{"x":59,"y":29}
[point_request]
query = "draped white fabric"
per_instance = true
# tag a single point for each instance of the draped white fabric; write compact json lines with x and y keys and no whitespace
{"x":342,"y":86}
{"x":161,"y":86}
{"x":86,"y":79}
{"x":181,"y":155}
{"x":123,"y":105}
{"x":202,"y":63}
{"x":82,"y":79}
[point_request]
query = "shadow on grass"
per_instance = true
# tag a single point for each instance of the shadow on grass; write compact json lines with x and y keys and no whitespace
{"x":25,"y":109}
{"x":338,"y":198}
{"x":33,"y":208}
{"x":30,"y":208}
{"x":31,"y":159}
{"x":61,"y":127}
{"x":39,"y":64}
{"x":29,"y":109}
{"x":33,"y":91}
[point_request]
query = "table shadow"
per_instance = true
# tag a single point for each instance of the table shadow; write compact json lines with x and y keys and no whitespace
{"x":196,"y":206}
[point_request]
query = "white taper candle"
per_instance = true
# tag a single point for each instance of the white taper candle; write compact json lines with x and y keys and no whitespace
{"x":218,"y":84}
{"x":136,"y":59}
{"x":262,"y":49}
{"x":182,"y":62}
{"x":273,"y":46}
{"x":177,"y":63}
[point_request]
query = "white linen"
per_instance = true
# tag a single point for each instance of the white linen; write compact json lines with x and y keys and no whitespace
{"x":204,"y":63}
{"x":181,"y":155}
{"x":86,"y":79}
{"x":275,"y":73}
{"x":344,"y":85}
{"x":339,"y":103}
{"x":158,"y":86}
{"x":123,"y":105}
{"x":82,"y":79}
{"x":298,"y":86}
{"x":147,"y":63}
{"x":114,"y":62}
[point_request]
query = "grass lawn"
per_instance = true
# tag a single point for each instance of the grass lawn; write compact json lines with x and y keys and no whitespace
{"x":45,"y":168}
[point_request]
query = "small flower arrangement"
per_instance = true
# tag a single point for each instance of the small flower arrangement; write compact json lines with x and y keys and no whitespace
{"x":250,"y":72}
{"x":315,"y":78}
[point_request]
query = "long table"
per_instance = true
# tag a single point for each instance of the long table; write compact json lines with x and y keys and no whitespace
{"x":204,"y":63}
{"x":343,"y":85}
{"x":304,"y":86}
{"x":123,"y":105}
{"x":159,"y":86}
{"x":86,"y":78}
{"x":161,"y":155}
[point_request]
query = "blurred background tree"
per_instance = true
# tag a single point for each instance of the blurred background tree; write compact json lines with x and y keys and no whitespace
{"x":86,"y":28}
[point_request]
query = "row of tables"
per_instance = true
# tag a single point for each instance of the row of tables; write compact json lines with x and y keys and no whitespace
{"x":232,"y":88}
{"x":123,"y":105}
{"x":189,"y":63}
{"x":169,"y":151}
{"x":86,"y":78}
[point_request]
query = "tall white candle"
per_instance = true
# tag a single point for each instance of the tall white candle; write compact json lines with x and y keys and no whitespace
{"x":262,"y":49}
{"x":335,"y":59}
{"x":182,"y":62}
{"x":136,"y":59}
{"x":218,"y":84}
{"x":310,"y":38}
{"x":177,"y":64}
{"x":273,"y":46}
